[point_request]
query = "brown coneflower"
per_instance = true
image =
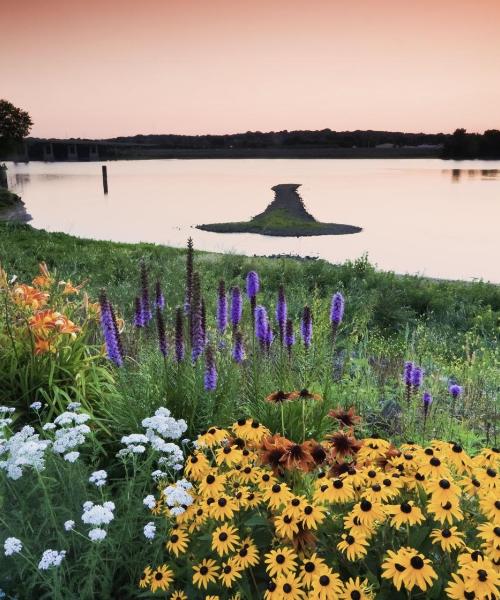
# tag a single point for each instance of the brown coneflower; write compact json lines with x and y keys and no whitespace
{"x":304,"y":394}
{"x":304,"y":541}
{"x":279,"y":397}
{"x":273,"y":449}
{"x":346,"y":418}
{"x":342,"y":445}
{"x":392,"y":452}
{"x":316,"y":450}
{"x":297,"y":456}
{"x":339,"y":468}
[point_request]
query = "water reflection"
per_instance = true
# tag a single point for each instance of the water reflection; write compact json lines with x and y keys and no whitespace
{"x":458,"y":174}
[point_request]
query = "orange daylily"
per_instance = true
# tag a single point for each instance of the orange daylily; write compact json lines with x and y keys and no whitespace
{"x":43,"y":346}
{"x":69,"y":288}
{"x":44,"y":280}
{"x":28,"y":296}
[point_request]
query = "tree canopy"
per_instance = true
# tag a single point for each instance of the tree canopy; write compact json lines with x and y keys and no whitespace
{"x":15,"y":124}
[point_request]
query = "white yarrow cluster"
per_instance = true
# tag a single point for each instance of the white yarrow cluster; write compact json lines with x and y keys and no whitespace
{"x":71,"y":457}
{"x":69,"y":525}
{"x":97,"y":534}
{"x":23,"y":449}
{"x":98,"y":478}
{"x":98,"y":514}
{"x":51,"y":558}
{"x":149,"y":501}
{"x":12,"y":546}
{"x":36,"y":405}
{"x":150,"y":530}
{"x":177,"y":496}
{"x":164,"y":425}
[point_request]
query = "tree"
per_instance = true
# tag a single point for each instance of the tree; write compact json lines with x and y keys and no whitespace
{"x":15,"y":124}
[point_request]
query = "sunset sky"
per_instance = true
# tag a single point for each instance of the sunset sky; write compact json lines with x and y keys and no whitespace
{"x":101,"y":68}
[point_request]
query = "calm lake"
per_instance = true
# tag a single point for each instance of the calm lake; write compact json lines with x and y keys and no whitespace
{"x":428,"y":216}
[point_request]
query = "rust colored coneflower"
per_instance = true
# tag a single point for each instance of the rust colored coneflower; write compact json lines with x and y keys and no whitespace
{"x":297,"y":456}
{"x":346,"y":418}
{"x":391,"y":453}
{"x":304,"y":541}
{"x":305,"y":394}
{"x":279,"y":397}
{"x":340,"y":468}
{"x":272,"y":450}
{"x":316,"y":450}
{"x":342,"y":445}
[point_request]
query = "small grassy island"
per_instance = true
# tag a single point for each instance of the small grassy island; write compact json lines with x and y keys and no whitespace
{"x":12,"y":207}
{"x":285,"y":216}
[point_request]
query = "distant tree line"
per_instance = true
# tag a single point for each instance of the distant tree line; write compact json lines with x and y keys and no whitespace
{"x":472,"y":145}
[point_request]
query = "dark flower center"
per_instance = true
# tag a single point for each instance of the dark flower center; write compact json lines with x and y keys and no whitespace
{"x":251,"y":496}
{"x":419,"y":477}
{"x":399,"y":567}
{"x":323,"y":488}
{"x":469,"y":595}
{"x":416,"y":562}
{"x":223,"y":536}
{"x":476,"y":483}
{"x":497,"y":504}
{"x":372,"y":474}
{"x":255,"y":424}
{"x":227,"y":450}
{"x":174,"y":538}
{"x":387,"y":482}
{"x":295,"y":502}
{"x":491,"y":472}
{"x":280,"y":559}
{"x":447,"y":506}
{"x":338,"y":484}
{"x":444,"y":484}
{"x":406,"y":508}
{"x":266,"y":477}
{"x":243,"y":552}
{"x":446,"y":533}
{"x":210,"y":479}
{"x":324,"y":580}
{"x":212,"y":431}
{"x":276,"y":489}
{"x":222,"y":502}
{"x":376,"y":487}
{"x":435,"y":462}
{"x":194,"y":460}
{"x":227,"y":569}
{"x":429,"y":451}
{"x":271,"y":586}
{"x":308,"y":510}
{"x":476,"y":555}
{"x":349,"y":539}
{"x":482,"y":575}
{"x":457,"y":448}
{"x":287,"y":588}
{"x":158,"y":576}
{"x":496,"y":531}
{"x":241,"y":422}
{"x":408,"y":456}
{"x":355,"y":595}
{"x":309,"y":567}
{"x":203,"y":570}
{"x":210,"y":501}
{"x":366,"y":505}
{"x":287,"y":519}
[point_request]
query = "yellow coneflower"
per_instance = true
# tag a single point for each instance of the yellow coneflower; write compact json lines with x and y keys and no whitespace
{"x":265,"y":479}
{"x":212,"y":437}
{"x":481,"y":578}
{"x":354,"y":547}
{"x":446,"y":512}
{"x":377,"y":492}
{"x":469,"y":556}
{"x":354,"y":525}
{"x":357,"y":589}
{"x":405,"y":513}
{"x":248,"y":474}
{"x":310,"y":568}
{"x":490,"y":533}
{"x":228,"y":455}
{"x":434,"y":468}
{"x":289,"y":587}
{"x":472,"y":485}
{"x":372,"y":449}
{"x":247,"y":555}
{"x":277,"y":495}
{"x":418,"y":571}
{"x":286,"y":525}
{"x":457,"y":457}
{"x":295,"y":506}
{"x":326,"y":585}
{"x":177,"y":543}
{"x":443,"y":490}
{"x":223,"y":508}
{"x":334,"y":491}
{"x":272,"y":592}
{"x":196,"y":466}
{"x":394,"y":566}
{"x":342,"y":445}
{"x":205,"y":572}
{"x":456,"y":589}
{"x":252,"y":499}
{"x":178,"y":595}
{"x":225,"y":539}
{"x":312,"y":515}
{"x":212,"y":484}
{"x":145,"y":579}
{"x":449,"y":539}
{"x":230,"y":572}
{"x":368,"y":512}
{"x":199,"y":518}
{"x":161,"y":578}
{"x":489,"y":478}
{"x":280,"y":561}
{"x":490,"y":507}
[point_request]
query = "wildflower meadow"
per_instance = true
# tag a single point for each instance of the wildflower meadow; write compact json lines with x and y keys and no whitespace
{"x":187,"y":429}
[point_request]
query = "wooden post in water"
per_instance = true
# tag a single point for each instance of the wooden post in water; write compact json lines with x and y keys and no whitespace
{"x":105,"y":178}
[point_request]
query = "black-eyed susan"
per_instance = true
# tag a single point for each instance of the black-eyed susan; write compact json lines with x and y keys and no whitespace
{"x":481,"y":578}
{"x":247,"y":555}
{"x":490,"y":507}
{"x":377,"y":493}
{"x":199,"y":518}
{"x":312,"y":515}
{"x":271,"y":592}
{"x":252,"y":499}
{"x":394,"y":567}
{"x":372,"y":449}
{"x":354,"y":547}
{"x":418,"y":571}
{"x":196,"y":466}
{"x":457,"y":457}
{"x":290,"y":587}
{"x":265,"y":479}
{"x":255,"y":432}
{"x":229,"y":455}
{"x":468,"y":556}
{"x":448,"y":538}
{"x":295,"y":506}
{"x":357,"y":589}
{"x":223,"y":508}
{"x":369,"y":512}
{"x":443,"y":490}
{"x":178,"y":595}
{"x":472,"y":486}
{"x":326,"y":586}
{"x":354,"y":525}
{"x":334,"y":491}
{"x":445,"y":512}
{"x":230,"y":572}
{"x":286,"y":525}
{"x":177,"y":542}
{"x":280,"y":561}
{"x":310,"y":568}
{"x":212,"y":437}
{"x":489,"y":478}
{"x":490,"y":533}
{"x":247,"y":474}
{"x":405,"y":513}
{"x":212,"y":484}
{"x":456,"y":589}
{"x":205,"y":573}
{"x":434,"y":467}
{"x":161,"y":578}
{"x":225,"y":539}
{"x":145,"y":579}
{"x":277,"y":495}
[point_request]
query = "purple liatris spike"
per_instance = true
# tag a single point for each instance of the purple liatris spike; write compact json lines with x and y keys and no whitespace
{"x":427,"y":401}
{"x":159,"y":297}
{"x":269,"y":337}
{"x":189,"y":276}
{"x":116,"y":331}
{"x":417,"y":376}
{"x":179,"y":335}
{"x":210,"y":379}
{"x":138,"y":314}
{"x":455,"y":390}
{"x":253,"y":284}
{"x":261,"y":324}
{"x":306,"y":326}
{"x":238,"y":348}
{"x":110,"y":331}
{"x":236,"y":307}
{"x":407,"y":373}
{"x":146,"y":309}
{"x":337,"y":309}
{"x":204,"y":321}
{"x":162,"y":334}
{"x":281,"y":312}
{"x":289,"y":336}
{"x":221,"y":307}
{"x":197,"y":320}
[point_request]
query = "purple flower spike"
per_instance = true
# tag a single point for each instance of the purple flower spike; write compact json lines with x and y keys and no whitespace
{"x":269,"y":337}
{"x":253,"y":284}
{"x":159,"y":297}
{"x":427,"y":401}
{"x":221,"y":307}
{"x":238,"y":348}
{"x":197,"y":321}
{"x":306,"y":327}
{"x":281,"y":312}
{"x":337,"y":309}
{"x":455,"y":390}
{"x":261,"y":324}
{"x":289,"y":336}
{"x":138,"y":313}
{"x":179,"y":336}
{"x":146,"y":309}
{"x":236,"y":307}
{"x":110,"y":331}
{"x":162,"y":334}
{"x":210,"y":379}
{"x":407,"y":373}
{"x":417,"y":376}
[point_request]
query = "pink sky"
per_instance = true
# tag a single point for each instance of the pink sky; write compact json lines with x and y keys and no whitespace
{"x":101,"y":68}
